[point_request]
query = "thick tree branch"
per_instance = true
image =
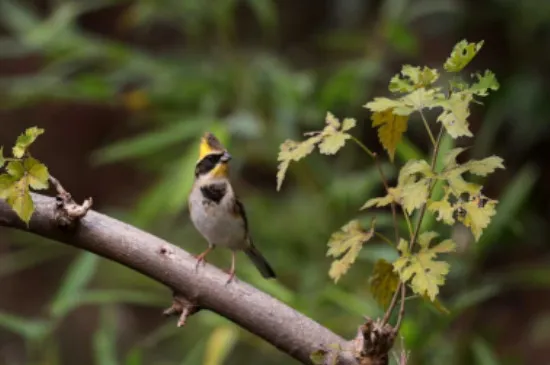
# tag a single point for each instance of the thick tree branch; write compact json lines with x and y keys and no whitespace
{"x":259,"y":313}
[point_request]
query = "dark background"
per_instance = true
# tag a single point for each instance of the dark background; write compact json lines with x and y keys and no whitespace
{"x":124,"y":90}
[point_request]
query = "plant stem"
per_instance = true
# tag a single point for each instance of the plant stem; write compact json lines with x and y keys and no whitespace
{"x":365,"y":148}
{"x":430,"y":190}
{"x":408,"y":220}
{"x":401,"y":288}
{"x":384,"y":238}
{"x":428,"y":128}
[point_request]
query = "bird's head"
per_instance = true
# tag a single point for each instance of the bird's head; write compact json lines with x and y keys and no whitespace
{"x":213,"y":158}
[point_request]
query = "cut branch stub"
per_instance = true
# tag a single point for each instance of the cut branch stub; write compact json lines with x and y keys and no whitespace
{"x":67,"y":211}
{"x":182,"y":306}
{"x":373,"y":342}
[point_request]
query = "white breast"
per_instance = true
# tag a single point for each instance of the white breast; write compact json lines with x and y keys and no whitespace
{"x":217,"y":222}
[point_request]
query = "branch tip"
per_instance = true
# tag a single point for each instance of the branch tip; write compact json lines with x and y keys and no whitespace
{"x":182,"y":306}
{"x":67,"y":211}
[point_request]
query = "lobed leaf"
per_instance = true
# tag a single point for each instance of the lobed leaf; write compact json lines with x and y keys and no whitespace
{"x":380,"y":202}
{"x":25,"y":140}
{"x":478,"y":217}
{"x":330,"y":140}
{"x":485,"y":82}
{"x":455,"y":114}
{"x":413,"y":78}
{"x":37,"y":174}
{"x":463,"y":52}
{"x":391,"y":129}
{"x":383,"y":282}
{"x":425,"y":274}
{"x":346,"y":245}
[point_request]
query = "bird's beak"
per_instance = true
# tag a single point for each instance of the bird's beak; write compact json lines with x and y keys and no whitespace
{"x":225,"y":157}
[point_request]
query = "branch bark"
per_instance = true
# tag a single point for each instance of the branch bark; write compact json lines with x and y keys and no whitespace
{"x":255,"y":311}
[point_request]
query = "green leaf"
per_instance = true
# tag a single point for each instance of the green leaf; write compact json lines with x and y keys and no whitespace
{"x":19,"y":199}
{"x":37,"y":173}
{"x":391,"y":129}
{"x":413,"y":78}
{"x":454,"y":116}
{"x":346,"y":244}
{"x":427,"y":274}
{"x":16,"y":169}
{"x":383,"y":282}
{"x":485,"y":82}
{"x":463,"y":52}
{"x":25,"y":140}
{"x":6,"y":183}
{"x":2,"y":158}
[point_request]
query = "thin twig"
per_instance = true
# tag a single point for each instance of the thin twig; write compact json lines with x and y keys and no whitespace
{"x":430,"y":190}
{"x":401,"y":308}
{"x":428,"y":129}
{"x":384,"y":238}
{"x":408,"y":220}
{"x":387,"y":315}
{"x":365,"y":148}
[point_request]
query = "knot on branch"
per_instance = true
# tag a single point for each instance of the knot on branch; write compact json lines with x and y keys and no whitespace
{"x":182,"y":306}
{"x":373,"y":342}
{"x":67,"y":211}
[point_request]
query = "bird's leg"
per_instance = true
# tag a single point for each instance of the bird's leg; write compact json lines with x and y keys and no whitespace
{"x":201,"y":257}
{"x":232,"y":270}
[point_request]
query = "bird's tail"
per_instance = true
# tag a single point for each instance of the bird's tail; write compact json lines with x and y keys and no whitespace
{"x":259,"y":261}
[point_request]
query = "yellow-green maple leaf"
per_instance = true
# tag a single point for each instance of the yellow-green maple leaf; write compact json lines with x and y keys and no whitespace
{"x":330,"y":140}
{"x":424,"y":273}
{"x":477,"y":217}
{"x":346,"y":244}
{"x":25,"y":140}
{"x":413,"y":78}
{"x":484,"y":83}
{"x":333,"y":137}
{"x":292,"y":151}
{"x":463,"y":52}
{"x":411,"y":190}
{"x":383,"y":282}
{"x":453,"y":171}
{"x":454,"y":116}
{"x":19,"y":198}
{"x":391,"y":129}
{"x":443,"y":209}
{"x":37,"y":174}
{"x":391,"y":197}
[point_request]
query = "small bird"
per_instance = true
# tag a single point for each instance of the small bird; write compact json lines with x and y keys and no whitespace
{"x":215,"y":210}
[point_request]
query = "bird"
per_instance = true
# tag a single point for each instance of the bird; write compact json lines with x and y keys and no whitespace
{"x":216,"y":211}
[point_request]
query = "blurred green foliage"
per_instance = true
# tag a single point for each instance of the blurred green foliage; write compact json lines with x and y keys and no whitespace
{"x":180,"y":67}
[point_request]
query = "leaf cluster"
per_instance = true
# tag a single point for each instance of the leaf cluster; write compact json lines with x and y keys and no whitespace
{"x":22,"y":173}
{"x":415,"y":90}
